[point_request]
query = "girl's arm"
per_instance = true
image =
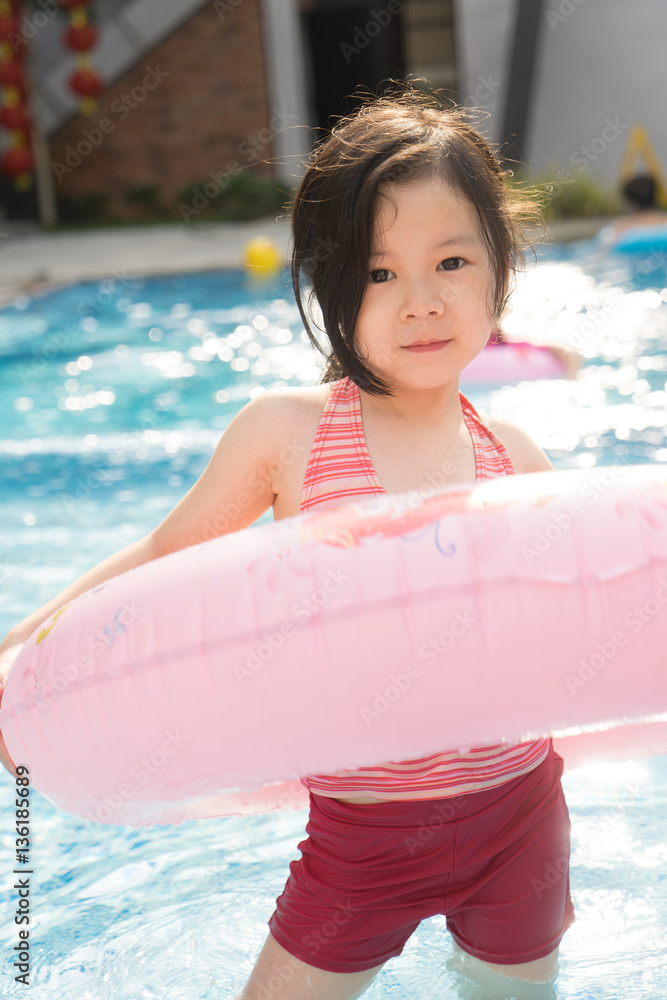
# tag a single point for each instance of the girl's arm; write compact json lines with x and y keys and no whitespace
{"x":235,"y":489}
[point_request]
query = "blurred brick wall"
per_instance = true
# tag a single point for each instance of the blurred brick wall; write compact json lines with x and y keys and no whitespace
{"x":189,"y":110}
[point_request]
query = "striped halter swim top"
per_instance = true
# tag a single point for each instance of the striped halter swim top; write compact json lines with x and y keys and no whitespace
{"x":340,"y":471}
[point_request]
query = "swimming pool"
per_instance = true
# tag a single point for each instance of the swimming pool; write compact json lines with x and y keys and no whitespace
{"x":112,"y":396}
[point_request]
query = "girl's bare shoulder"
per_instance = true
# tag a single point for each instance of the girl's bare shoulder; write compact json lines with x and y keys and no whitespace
{"x":297,"y":409}
{"x":291,"y":416}
{"x":526,"y":454}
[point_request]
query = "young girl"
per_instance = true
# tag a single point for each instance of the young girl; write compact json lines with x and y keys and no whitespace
{"x":406,"y":238}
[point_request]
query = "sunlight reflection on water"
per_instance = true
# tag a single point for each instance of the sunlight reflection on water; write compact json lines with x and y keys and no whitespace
{"x":112,"y":406}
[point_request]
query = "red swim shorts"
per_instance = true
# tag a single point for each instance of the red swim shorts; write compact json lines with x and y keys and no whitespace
{"x":496,"y":862}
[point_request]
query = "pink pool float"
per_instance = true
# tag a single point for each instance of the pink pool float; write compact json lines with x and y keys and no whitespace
{"x":507,"y":363}
{"x":210,"y":681}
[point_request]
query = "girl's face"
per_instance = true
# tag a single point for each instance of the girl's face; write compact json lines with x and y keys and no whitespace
{"x":427,"y":309}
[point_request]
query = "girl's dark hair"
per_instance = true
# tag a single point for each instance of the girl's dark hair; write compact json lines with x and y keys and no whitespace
{"x":404,"y":135}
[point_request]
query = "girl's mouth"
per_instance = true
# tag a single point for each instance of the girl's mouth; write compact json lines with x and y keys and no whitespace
{"x":423,"y":347}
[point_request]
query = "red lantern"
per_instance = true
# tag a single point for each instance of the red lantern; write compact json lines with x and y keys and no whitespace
{"x":9,"y":26}
{"x":16,"y":118}
{"x":14,"y":49}
{"x":85,"y":83}
{"x":81,"y":39}
{"x":17,"y":161}
{"x":11,"y":74}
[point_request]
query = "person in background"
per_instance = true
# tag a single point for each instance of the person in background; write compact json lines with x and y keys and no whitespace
{"x":639,"y":195}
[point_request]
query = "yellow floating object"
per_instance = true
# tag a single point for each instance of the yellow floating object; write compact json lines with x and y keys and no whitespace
{"x":262,"y":257}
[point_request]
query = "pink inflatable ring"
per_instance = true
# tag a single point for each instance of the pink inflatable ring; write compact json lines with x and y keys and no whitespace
{"x":506,"y":363}
{"x":208,"y":682}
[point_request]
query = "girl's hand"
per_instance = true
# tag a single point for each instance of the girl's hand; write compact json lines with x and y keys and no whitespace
{"x":568,"y":357}
{"x":8,"y":654}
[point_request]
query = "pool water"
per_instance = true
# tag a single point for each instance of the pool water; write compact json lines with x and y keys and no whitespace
{"x":113,"y":395}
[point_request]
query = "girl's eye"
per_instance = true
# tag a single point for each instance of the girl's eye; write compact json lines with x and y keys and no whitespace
{"x":379,"y":275}
{"x":452,"y":263}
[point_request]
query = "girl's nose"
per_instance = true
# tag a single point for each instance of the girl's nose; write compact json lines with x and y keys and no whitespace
{"x":421,"y":302}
